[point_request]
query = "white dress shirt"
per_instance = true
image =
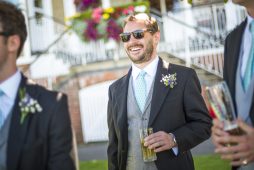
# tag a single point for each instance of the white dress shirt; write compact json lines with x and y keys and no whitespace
{"x":150,"y":70}
{"x":10,"y":89}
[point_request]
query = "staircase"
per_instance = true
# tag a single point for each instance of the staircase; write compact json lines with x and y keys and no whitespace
{"x":205,"y":77}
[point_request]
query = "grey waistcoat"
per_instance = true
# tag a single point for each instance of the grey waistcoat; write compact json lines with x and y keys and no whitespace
{"x":243,"y":103}
{"x":4,"y":131}
{"x":136,"y":120}
{"x":243,"y":99}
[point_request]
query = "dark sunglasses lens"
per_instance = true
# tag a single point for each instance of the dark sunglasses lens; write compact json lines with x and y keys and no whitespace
{"x":125,"y":37}
{"x":138,"y":34}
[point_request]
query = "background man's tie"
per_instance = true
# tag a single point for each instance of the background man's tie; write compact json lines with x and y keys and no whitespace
{"x":249,"y":68}
{"x":1,"y":111}
{"x":141,"y":90}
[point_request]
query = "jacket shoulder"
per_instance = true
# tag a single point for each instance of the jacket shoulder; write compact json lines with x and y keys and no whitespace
{"x":181,"y":69}
{"x":237,"y":29}
{"x":44,"y":94}
{"x":118,"y":82}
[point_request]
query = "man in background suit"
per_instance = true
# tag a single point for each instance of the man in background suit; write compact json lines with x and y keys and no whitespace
{"x":35,"y":126}
{"x":238,"y":73}
{"x":175,"y":109}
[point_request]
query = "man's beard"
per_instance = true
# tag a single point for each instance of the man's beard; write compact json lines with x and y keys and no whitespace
{"x":146,"y":56}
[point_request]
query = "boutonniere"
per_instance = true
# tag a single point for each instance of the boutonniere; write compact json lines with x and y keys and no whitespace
{"x":169,"y":80}
{"x":27,"y":105}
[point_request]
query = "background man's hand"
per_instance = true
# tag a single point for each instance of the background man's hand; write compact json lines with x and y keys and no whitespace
{"x":218,"y":134}
{"x":242,"y":152}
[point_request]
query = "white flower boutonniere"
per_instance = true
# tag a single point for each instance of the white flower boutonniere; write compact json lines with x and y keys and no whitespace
{"x":27,"y":105}
{"x":169,"y":80}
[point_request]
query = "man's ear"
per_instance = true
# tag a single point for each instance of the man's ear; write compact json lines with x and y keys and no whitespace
{"x":13,"y":43}
{"x":157,"y":37}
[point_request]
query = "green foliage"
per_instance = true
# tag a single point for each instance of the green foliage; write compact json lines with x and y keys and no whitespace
{"x":204,"y":162}
{"x":210,"y":162}
{"x":94,"y":165}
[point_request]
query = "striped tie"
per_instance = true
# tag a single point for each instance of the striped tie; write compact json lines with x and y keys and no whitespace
{"x":1,"y":111}
{"x":249,"y":68}
{"x":141,"y":90}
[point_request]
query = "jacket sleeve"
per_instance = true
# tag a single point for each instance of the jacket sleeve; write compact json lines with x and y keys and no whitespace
{"x":60,"y":137}
{"x":198,"y":122}
{"x":113,"y":142}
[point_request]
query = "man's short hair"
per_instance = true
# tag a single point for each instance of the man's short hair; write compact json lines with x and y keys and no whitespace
{"x":12,"y":22}
{"x":149,"y":21}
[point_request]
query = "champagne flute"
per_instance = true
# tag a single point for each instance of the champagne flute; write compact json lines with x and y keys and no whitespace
{"x":148,"y":154}
{"x":221,"y":104}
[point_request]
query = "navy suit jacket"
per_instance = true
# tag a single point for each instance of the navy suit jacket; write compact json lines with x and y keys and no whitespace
{"x":44,"y":140}
{"x":231,"y":59}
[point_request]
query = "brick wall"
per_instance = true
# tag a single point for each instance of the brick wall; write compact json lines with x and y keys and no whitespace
{"x":82,"y":80}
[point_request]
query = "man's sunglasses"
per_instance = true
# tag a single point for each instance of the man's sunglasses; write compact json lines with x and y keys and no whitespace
{"x":138,"y":34}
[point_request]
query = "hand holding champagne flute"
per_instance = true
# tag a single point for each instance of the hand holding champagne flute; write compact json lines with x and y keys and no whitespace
{"x":221,"y":105}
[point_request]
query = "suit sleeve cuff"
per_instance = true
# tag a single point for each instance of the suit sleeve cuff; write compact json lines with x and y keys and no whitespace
{"x":175,"y":149}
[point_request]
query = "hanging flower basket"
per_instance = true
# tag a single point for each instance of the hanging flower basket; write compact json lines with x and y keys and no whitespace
{"x":92,"y":24}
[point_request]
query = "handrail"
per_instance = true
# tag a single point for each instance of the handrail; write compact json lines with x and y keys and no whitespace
{"x":49,"y":46}
{"x":38,"y":54}
{"x":57,"y":20}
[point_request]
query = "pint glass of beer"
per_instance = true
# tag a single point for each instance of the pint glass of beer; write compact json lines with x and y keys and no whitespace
{"x":222,"y":106}
{"x":148,"y":154}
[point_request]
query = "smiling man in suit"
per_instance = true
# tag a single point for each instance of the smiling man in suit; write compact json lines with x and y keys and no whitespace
{"x":239,"y":75}
{"x":35,"y":128}
{"x":154,"y":94}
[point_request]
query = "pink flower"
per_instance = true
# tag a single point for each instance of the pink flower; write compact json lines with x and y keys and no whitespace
{"x":97,"y":14}
{"x":129,"y":10}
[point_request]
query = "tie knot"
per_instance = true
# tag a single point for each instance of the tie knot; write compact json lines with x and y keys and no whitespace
{"x":142,"y":73}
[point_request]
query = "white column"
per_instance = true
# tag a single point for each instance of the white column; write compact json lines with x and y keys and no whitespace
{"x":27,"y":48}
{"x":215,"y":19}
{"x":69,"y":8}
{"x":187,"y":32}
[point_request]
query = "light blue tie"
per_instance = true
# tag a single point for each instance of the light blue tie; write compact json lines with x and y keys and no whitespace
{"x":1,"y":111}
{"x":249,"y":68}
{"x":141,"y":90}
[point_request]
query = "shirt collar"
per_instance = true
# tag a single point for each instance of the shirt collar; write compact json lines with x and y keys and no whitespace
{"x":11,"y":85}
{"x":150,"y":69}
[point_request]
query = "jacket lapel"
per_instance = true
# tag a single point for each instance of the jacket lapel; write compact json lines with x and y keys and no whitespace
{"x":17,"y":132}
{"x":121,"y":111}
{"x":234,"y":55}
{"x":160,"y":90}
{"x":252,"y":110}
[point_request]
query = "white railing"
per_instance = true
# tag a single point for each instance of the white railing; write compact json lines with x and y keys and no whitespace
{"x":197,"y":35}
{"x":193,"y":35}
